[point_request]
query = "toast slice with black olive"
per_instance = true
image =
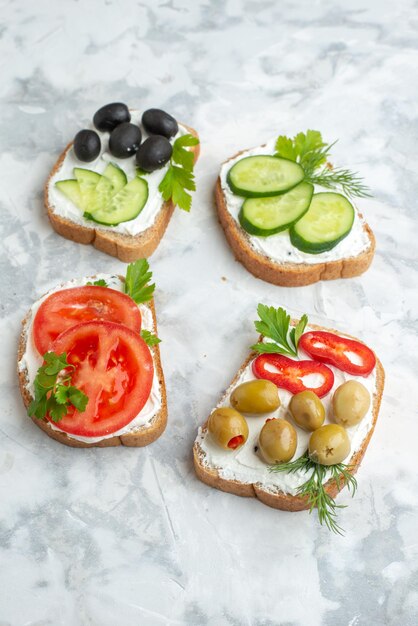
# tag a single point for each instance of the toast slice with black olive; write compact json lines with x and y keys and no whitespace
{"x":126,"y":248}
{"x":216,"y":476}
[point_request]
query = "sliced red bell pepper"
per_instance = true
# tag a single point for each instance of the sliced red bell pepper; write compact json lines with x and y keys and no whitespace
{"x":335,"y":350}
{"x":289,"y":374}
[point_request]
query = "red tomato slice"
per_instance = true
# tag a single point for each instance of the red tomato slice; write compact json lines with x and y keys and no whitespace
{"x":114,"y":367}
{"x":336,"y":350}
{"x":68,"y":307}
{"x":289,"y":374}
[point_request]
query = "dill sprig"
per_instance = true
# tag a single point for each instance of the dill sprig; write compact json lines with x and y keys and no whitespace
{"x":312,"y":153}
{"x":350,"y":183}
{"x":314,"y":488}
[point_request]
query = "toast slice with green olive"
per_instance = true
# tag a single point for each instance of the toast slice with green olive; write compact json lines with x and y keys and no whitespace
{"x":231,"y":452}
{"x":110,"y":190}
{"x":288,"y":214}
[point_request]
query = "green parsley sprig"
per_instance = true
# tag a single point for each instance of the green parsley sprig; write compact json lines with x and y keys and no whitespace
{"x":274,"y":324}
{"x":53,"y":392}
{"x":179,"y":179}
{"x":149,"y":338}
{"x":312,"y":153}
{"x":98,"y":283}
{"x":314,"y":488}
{"x":138,"y":276}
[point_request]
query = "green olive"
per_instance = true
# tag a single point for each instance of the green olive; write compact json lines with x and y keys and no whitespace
{"x":277,"y":441}
{"x":350,"y":403}
{"x":329,"y":444}
{"x":228,"y":428}
{"x":255,"y":396}
{"x":307,"y":410}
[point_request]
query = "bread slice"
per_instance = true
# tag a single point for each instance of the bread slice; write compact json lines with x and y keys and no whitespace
{"x":126,"y":248}
{"x":211,"y":475}
{"x":287,"y":274}
{"x":140,"y":437}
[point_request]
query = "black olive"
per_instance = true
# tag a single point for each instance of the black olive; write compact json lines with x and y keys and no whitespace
{"x":110,"y":116}
{"x":154,"y":153}
{"x":157,"y":122}
{"x":125,"y":140}
{"x":87,"y":145}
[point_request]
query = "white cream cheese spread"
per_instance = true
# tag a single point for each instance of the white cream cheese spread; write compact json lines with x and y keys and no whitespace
{"x":62,"y":206}
{"x":246,"y":464}
{"x":32,"y":360}
{"x":278,"y":248}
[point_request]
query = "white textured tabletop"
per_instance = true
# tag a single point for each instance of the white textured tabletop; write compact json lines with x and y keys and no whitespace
{"x":130,"y":536}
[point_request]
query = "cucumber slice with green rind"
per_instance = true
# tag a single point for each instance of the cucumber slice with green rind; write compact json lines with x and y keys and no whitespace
{"x":87,"y":180}
{"x":263,"y":176}
{"x":327,"y":222}
{"x":85,"y":177}
{"x":71,"y":189}
{"x":124,"y":206}
{"x":116,"y":175}
{"x":267,"y":216}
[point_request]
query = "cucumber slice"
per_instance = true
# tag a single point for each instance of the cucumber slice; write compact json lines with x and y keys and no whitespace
{"x":116,"y":175}
{"x":267,"y":216}
{"x":328,"y":220}
{"x":87,"y":180}
{"x":124,"y":206}
{"x":71,"y":189}
{"x":263,"y":176}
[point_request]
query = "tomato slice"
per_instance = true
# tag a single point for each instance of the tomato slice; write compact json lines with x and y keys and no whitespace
{"x":68,"y":307}
{"x":335,"y":350}
{"x":289,"y":374}
{"x":114,"y":367}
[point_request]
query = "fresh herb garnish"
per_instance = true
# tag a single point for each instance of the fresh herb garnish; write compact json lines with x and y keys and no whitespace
{"x":137,"y":280}
{"x":314,"y":489}
{"x":98,"y":283}
{"x":312,"y":153}
{"x":149,"y":338}
{"x":275,"y":324}
{"x":180,"y":178}
{"x":53,"y":392}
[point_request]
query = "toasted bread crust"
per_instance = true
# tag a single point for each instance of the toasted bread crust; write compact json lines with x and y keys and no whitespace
{"x":126,"y":248}
{"x":287,"y":274}
{"x":280,"y":500}
{"x":142,"y":437}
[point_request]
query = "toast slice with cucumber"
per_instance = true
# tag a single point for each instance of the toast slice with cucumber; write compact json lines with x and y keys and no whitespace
{"x":121,"y":201}
{"x":236,"y":480}
{"x":291,"y":223}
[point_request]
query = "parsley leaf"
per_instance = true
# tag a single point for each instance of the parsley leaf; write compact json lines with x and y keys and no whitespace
{"x":274,"y":324}
{"x":307,"y":149}
{"x":99,"y":283}
{"x":53,"y":393}
{"x":137,"y":280}
{"x":149,"y":338}
{"x":180,"y":177}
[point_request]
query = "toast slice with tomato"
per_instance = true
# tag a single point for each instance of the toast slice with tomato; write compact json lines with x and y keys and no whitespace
{"x":85,"y":229}
{"x":111,"y":380}
{"x":243,"y":470}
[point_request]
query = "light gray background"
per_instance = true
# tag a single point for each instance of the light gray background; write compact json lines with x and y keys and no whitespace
{"x":124,"y":536}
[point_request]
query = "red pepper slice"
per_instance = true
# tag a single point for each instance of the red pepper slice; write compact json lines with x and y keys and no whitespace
{"x":289,"y":374}
{"x":235,"y":442}
{"x":335,"y":350}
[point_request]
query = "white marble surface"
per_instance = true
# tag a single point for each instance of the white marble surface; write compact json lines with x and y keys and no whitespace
{"x":120,"y":536}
